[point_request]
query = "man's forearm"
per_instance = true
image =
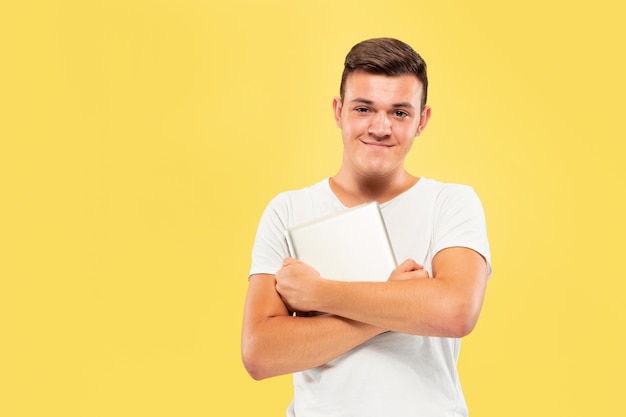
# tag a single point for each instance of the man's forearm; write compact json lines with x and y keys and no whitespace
{"x":421,"y":307}
{"x":285,"y":344}
{"x":446,"y":305}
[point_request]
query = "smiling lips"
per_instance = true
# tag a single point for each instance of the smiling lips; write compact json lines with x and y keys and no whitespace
{"x":377,"y":144}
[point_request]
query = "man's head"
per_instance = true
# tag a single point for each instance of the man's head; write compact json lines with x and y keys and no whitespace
{"x":382,"y":108}
{"x":385,"y":56}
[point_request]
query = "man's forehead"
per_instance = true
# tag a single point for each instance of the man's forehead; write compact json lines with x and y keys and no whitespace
{"x":368,"y":88}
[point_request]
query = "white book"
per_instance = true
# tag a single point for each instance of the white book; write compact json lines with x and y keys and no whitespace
{"x":351,"y":245}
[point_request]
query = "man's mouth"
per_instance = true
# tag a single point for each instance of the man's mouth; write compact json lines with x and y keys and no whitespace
{"x":376,"y":144}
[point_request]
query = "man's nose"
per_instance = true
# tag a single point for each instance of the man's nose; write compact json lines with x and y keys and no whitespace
{"x":381,"y":125}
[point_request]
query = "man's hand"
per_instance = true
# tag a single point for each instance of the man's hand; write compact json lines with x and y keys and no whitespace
{"x":296,"y":283}
{"x":408,"y":269}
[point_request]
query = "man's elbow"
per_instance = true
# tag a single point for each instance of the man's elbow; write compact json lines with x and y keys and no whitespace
{"x":254,"y":371}
{"x":460,"y":320}
{"x":461,"y":327}
{"x":253,"y":362}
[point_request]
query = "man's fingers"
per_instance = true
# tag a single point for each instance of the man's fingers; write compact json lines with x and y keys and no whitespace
{"x":422,"y":273}
{"x":289,"y":261}
{"x":409,"y":265}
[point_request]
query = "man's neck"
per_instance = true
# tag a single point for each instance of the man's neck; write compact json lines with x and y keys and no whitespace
{"x":352,"y":190}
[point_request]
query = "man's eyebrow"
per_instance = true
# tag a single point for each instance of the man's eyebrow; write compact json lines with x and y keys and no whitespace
{"x":404,"y":104}
{"x":361,"y":100}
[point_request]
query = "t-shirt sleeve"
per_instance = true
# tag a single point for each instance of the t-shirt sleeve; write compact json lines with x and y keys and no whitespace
{"x":460,"y":221}
{"x":270,"y":243}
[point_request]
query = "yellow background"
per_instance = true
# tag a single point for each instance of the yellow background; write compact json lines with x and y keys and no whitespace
{"x":141,"y":140}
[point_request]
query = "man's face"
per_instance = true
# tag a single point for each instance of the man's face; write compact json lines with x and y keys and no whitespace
{"x":379,"y":117}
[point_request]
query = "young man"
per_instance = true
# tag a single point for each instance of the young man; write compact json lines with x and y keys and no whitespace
{"x":385,"y":348}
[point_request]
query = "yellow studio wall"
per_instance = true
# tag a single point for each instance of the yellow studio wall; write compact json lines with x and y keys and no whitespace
{"x":140,"y":141}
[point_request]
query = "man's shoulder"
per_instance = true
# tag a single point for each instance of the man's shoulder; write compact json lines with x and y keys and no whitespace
{"x":444,"y":194}
{"x":304,"y":204}
{"x":440,"y":188}
{"x":453,"y":198}
{"x":316,"y":190}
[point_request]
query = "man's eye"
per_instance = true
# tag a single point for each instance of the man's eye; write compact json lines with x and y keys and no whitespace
{"x":361,"y":109}
{"x":401,"y":114}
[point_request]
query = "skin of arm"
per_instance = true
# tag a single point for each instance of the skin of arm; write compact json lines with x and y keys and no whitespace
{"x":274,"y":342}
{"x":448,"y":305}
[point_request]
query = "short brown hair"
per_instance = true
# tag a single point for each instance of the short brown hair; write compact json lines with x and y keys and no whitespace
{"x":385,"y":56}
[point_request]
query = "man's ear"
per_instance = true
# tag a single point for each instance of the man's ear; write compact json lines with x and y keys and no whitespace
{"x":424,"y":118}
{"x":337,"y":108}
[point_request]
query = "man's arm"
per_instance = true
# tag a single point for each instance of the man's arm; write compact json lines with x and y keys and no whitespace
{"x":448,"y":305}
{"x":276,"y":343}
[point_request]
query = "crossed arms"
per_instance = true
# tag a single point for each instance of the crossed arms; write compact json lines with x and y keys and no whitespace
{"x":274,"y":342}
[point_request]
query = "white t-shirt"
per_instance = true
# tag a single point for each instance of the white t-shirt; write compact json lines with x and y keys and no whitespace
{"x":393,"y":374}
